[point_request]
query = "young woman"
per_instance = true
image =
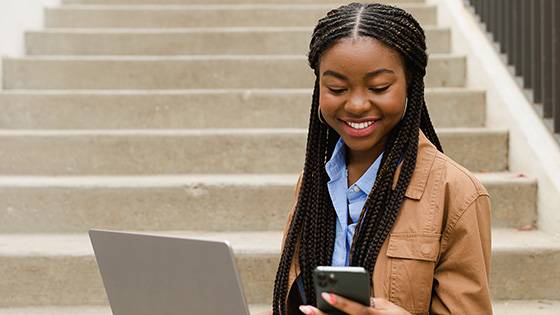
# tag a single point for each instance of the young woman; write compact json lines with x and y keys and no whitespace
{"x":376,"y":190}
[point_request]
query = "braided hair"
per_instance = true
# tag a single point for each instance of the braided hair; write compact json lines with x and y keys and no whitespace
{"x":313,"y":226}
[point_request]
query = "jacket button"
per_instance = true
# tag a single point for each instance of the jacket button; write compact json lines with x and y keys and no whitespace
{"x":426,"y":249}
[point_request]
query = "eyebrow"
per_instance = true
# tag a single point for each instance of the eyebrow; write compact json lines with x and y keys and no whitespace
{"x":367,"y":76}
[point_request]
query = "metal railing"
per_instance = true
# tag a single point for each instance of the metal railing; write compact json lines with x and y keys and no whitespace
{"x":528,"y":33}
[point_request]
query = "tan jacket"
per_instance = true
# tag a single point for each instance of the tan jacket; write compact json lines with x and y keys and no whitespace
{"x":436,"y":259}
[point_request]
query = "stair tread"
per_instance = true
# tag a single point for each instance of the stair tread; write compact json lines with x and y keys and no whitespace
{"x":187,"y":30}
{"x":203,"y":179}
{"x":86,"y":310}
{"x":243,"y":242}
{"x":443,"y":89}
{"x":210,"y":6}
{"x":188,"y":57}
{"x":202,"y":131}
{"x":502,"y":307}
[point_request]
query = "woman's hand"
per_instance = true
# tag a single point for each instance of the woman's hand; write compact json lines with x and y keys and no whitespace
{"x":379,"y":306}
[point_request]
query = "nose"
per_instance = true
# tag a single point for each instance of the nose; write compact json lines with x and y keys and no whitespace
{"x":358,"y":103}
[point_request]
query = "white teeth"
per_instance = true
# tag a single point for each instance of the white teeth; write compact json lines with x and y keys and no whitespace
{"x":360,"y":125}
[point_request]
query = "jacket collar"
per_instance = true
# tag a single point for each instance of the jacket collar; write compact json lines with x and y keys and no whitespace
{"x":424,"y":162}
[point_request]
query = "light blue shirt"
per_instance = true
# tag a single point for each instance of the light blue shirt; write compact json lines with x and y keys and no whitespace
{"x":347,"y":201}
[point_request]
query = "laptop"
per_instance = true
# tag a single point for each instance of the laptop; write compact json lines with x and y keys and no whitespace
{"x":146,"y":274}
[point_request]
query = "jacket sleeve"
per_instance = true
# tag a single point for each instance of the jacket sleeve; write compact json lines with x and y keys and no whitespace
{"x":291,"y":213}
{"x":461,"y":277}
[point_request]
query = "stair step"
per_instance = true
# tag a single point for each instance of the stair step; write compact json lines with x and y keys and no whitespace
{"x":183,"y":2}
{"x":514,"y":307}
{"x":449,"y":107}
{"x":263,"y":40}
{"x":254,"y":309}
{"x":165,"y":16}
{"x":193,"y":72}
{"x":524,"y":307}
{"x":211,"y":151}
{"x":194,"y":202}
{"x":61,"y":270}
{"x":518,"y":252}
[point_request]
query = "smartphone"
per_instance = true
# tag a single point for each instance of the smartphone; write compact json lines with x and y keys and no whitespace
{"x":348,"y":282}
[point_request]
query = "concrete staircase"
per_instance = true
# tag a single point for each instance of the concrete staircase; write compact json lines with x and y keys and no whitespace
{"x":185,"y":117}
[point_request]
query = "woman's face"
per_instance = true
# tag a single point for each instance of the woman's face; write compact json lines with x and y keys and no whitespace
{"x":362,"y":91}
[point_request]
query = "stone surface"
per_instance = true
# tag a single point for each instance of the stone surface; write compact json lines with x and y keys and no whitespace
{"x":152,"y":117}
{"x":194,"y":72}
{"x":263,"y":40}
{"x":205,"y":2}
{"x":110,"y":109}
{"x":63,"y":270}
{"x":194,"y":202}
{"x":513,"y":307}
{"x":207,"y":15}
{"x":214,"y":151}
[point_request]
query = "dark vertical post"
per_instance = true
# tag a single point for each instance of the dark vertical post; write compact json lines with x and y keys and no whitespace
{"x":527,"y":43}
{"x":475,"y":6}
{"x":480,"y":12}
{"x":518,"y":57}
{"x":506,"y":30}
{"x":484,"y":12}
{"x":513,"y":52}
{"x":556,"y":66}
{"x":537,"y":51}
{"x":492,"y":18}
{"x":498,"y":25}
{"x":546,"y":62}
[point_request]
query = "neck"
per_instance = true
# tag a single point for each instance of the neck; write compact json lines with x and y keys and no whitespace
{"x":358,"y":162}
{"x":364,"y":157}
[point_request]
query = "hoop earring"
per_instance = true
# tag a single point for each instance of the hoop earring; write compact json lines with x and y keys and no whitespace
{"x":405,"y":107}
{"x":320,"y":116}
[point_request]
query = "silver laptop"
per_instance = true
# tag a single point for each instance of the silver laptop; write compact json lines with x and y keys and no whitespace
{"x":148,"y":274}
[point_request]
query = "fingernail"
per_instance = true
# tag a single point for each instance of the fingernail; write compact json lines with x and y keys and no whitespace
{"x":328,"y":297}
{"x":306,"y":309}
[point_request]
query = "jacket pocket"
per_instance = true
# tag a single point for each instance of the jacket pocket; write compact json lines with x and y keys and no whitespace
{"x":413,"y":258}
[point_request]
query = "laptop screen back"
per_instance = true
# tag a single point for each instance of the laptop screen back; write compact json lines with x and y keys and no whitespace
{"x":148,"y":274}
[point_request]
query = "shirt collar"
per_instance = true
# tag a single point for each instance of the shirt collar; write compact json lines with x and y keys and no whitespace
{"x":336,"y":167}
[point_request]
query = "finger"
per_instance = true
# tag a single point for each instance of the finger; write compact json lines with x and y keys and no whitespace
{"x":346,"y":305}
{"x":310,"y":310}
{"x":379,"y":303}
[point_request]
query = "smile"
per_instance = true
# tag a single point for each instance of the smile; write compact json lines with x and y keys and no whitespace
{"x":359,"y":129}
{"x":359,"y":126}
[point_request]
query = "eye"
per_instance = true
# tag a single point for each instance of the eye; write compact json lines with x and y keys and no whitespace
{"x":337,"y":91}
{"x":379,"y":90}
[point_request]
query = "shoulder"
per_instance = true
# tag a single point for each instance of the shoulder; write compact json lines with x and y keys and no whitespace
{"x":465,"y":197}
{"x":458,"y":180}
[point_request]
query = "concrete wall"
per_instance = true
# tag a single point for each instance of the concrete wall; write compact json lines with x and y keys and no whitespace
{"x":16,"y":16}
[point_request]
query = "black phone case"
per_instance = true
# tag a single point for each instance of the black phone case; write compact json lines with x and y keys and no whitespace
{"x":352,"y":285}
